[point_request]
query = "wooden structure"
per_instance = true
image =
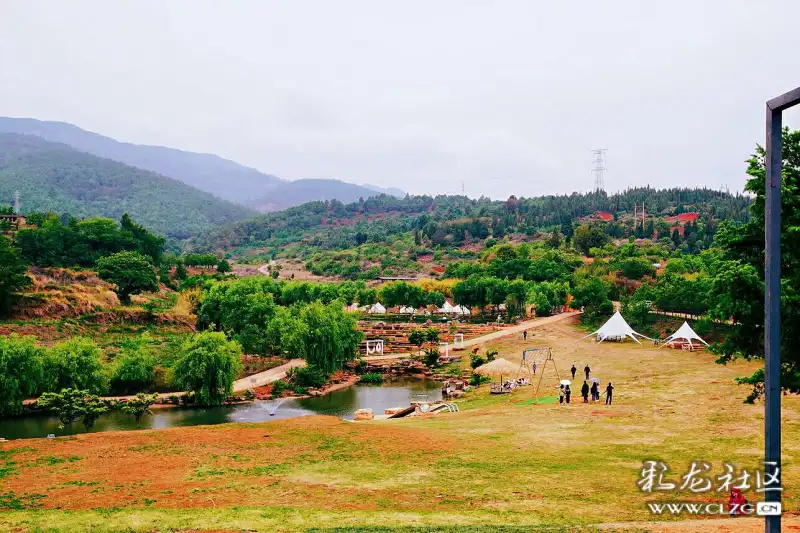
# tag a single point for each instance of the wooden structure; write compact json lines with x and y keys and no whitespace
{"x":542,"y":364}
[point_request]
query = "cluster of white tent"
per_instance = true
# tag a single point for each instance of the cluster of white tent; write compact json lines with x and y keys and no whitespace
{"x":378,"y":309}
{"x":616,"y":328}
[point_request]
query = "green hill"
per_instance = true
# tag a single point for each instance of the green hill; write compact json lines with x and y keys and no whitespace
{"x":458,"y":226}
{"x":210,"y":173}
{"x":54,"y":177}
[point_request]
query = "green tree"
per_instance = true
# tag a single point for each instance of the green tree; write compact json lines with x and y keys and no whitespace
{"x":330,"y":337}
{"x":134,"y":369}
{"x":588,"y":236}
{"x":20,"y":372}
{"x":67,"y":405}
{"x":139,"y":406}
{"x":591,"y":293}
{"x":208,"y":367}
{"x":91,"y":409}
{"x":130,"y":271}
{"x":180,"y":271}
{"x":75,"y":364}
{"x":637,"y":268}
{"x":71,"y":405}
{"x":223,"y":267}
{"x":744,"y":245}
{"x":13,"y":276}
{"x":417,"y":337}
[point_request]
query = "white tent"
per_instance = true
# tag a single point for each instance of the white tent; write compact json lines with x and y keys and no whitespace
{"x":616,"y":328}
{"x":406,"y":310}
{"x":377,"y":308}
{"x":685,"y":333}
{"x":461,"y":310}
{"x":446,"y":308}
{"x":351,"y":307}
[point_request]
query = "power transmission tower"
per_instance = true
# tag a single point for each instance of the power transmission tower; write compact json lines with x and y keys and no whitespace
{"x":599,"y":167}
{"x":16,"y":202}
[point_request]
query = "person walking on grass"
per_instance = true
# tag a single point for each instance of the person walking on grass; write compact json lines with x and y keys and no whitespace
{"x":609,"y":393}
{"x":568,"y":393}
{"x":595,"y":392}
{"x":585,"y":392}
{"x":524,"y":334}
{"x":587,"y":370}
{"x":534,"y":368}
{"x":573,"y":369}
{"x":561,"y":394}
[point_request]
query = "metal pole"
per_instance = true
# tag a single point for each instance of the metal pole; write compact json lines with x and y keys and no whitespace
{"x":772,"y":305}
{"x":772,"y":300}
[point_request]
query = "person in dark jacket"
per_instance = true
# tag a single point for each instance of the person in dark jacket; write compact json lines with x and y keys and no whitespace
{"x":587,"y":370}
{"x":567,"y":392}
{"x":585,"y":392}
{"x":595,"y":392}
{"x":561,"y":394}
{"x":525,"y":334}
{"x":609,"y":393}
{"x":573,"y":369}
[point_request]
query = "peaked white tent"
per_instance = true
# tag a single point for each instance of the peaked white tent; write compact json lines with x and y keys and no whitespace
{"x":446,"y":308}
{"x":377,"y":308}
{"x":684,"y":334}
{"x":407,"y":310}
{"x":616,"y":328}
{"x":461,"y":310}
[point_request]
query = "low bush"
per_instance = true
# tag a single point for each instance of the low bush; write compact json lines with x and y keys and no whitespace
{"x":279,"y":387}
{"x":432,"y":356}
{"x":373,"y":378}
{"x":309,"y":376}
{"x":477,"y":379}
{"x":476,"y":360}
{"x":491,"y":354}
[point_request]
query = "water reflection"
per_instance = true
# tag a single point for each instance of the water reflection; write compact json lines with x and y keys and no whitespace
{"x":342,"y":403}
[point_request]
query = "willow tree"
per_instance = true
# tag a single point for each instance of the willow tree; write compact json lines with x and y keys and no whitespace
{"x":329,"y":337}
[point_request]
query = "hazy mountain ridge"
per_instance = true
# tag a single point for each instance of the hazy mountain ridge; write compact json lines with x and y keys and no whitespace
{"x":55,"y":177}
{"x":210,"y":173}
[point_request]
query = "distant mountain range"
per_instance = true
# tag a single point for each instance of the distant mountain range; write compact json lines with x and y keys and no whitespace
{"x":210,"y":173}
{"x":52,"y":176}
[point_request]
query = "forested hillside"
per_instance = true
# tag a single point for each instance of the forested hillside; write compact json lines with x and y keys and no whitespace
{"x":445,"y":220}
{"x":210,"y":173}
{"x":54,"y":177}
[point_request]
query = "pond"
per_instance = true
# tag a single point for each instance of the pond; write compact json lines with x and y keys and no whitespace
{"x":343,"y":403}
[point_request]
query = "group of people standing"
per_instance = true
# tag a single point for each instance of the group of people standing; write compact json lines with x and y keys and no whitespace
{"x":565,"y":392}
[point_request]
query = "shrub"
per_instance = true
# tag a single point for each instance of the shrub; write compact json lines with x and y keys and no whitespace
{"x":300,"y":391}
{"x":75,"y":364}
{"x":249,"y":395}
{"x":476,"y":360}
{"x":134,"y":371}
{"x":432,"y":356}
{"x":309,"y":376}
{"x":279,"y":387}
{"x":491,"y":354}
{"x":373,"y":378}
{"x":20,"y":372}
{"x":361,"y":366}
{"x":477,"y":379}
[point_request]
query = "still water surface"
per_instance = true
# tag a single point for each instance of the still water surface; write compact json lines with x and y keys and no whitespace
{"x":342,"y":403}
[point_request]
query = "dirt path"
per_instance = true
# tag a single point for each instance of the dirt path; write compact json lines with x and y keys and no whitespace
{"x":266,"y":377}
{"x":505,"y":332}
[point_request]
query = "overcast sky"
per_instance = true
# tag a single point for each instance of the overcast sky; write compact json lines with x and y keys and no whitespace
{"x":507,"y":96}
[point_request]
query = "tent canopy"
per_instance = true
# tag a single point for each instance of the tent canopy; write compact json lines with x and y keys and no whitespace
{"x":685,"y":333}
{"x":377,"y":308}
{"x":616,"y":328}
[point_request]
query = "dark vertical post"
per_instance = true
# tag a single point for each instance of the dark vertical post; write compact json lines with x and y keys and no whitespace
{"x":772,"y":305}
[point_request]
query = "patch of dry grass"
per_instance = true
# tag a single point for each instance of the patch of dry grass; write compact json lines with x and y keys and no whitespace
{"x":495,"y":462}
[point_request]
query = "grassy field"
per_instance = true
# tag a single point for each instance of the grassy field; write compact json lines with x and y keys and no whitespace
{"x":500,"y":461}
